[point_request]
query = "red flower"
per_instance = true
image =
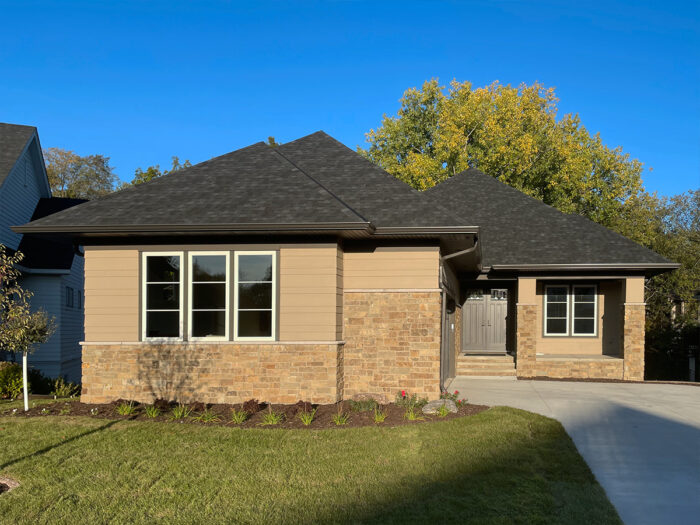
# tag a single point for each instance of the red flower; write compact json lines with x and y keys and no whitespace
{"x":456,"y":392}
{"x":403,"y":393}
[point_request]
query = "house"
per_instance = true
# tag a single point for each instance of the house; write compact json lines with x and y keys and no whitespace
{"x":51,"y":268}
{"x":303,"y":271}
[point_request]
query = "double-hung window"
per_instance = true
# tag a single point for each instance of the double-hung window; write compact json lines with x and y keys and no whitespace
{"x":585,"y":309}
{"x":162,"y":295}
{"x":255,"y":295}
{"x":570,"y":310}
{"x":208,"y":295}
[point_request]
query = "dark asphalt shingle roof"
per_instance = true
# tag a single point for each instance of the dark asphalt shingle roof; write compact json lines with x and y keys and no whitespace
{"x":517,"y":229}
{"x":363,"y":186}
{"x":48,"y":252}
{"x":13,"y":139}
{"x":252,"y":185}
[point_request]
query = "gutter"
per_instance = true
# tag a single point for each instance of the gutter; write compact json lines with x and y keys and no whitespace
{"x":198,"y":228}
{"x":586,"y":266}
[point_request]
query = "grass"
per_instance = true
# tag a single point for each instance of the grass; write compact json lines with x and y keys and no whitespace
{"x":501,"y":466}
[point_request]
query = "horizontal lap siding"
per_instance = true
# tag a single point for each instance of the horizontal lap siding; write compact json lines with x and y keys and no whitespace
{"x":111,"y":295}
{"x":308,"y":285}
{"x":392,"y":268}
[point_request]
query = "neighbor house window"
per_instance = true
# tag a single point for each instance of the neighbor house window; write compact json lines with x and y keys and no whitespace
{"x":69,"y":297}
{"x":208,"y":295}
{"x":162,"y":295}
{"x":255,"y":295}
{"x":570,"y":310}
{"x":584,"y":309}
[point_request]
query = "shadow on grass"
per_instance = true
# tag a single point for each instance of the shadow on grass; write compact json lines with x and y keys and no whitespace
{"x":59,"y":444}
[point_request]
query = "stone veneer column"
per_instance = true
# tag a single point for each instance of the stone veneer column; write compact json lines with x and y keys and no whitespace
{"x":633,"y":329}
{"x":526,"y":328}
{"x":633,"y":341}
{"x":526,"y":335}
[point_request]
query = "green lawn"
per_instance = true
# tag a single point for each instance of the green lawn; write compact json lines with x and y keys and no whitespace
{"x":501,"y":466}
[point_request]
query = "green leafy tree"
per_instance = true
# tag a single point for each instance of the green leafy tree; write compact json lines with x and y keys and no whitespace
{"x":21,"y":329}
{"x":153,"y":172}
{"x":71,"y":175}
{"x":272,"y":142}
{"x":511,"y":133}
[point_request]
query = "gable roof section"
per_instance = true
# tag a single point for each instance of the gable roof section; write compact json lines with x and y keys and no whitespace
{"x":253,"y":188}
{"x":13,"y":141}
{"x":521,"y":232}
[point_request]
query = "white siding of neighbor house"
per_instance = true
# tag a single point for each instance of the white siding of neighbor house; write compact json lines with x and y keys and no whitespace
{"x":20,"y":193}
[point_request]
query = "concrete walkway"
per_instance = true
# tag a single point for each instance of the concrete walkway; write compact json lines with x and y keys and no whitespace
{"x":642,"y":441}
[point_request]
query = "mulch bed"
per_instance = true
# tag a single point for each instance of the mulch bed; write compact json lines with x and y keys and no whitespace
{"x":395,"y":414}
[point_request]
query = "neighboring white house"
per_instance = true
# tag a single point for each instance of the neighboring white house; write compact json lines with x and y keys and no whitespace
{"x":52,"y":267}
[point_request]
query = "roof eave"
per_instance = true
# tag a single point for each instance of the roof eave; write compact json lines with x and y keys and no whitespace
{"x":636,"y":267}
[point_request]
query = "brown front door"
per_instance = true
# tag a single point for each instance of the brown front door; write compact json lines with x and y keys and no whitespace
{"x":484,"y":321}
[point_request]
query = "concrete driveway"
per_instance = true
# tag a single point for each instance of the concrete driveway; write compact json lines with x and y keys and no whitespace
{"x":642,"y":441}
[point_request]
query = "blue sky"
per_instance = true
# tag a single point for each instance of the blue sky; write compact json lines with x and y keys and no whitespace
{"x":142,"y":81}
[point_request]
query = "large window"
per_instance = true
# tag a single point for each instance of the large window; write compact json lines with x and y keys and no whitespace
{"x":570,"y":310}
{"x":162,"y":295}
{"x":255,"y":295}
{"x":208,"y":295}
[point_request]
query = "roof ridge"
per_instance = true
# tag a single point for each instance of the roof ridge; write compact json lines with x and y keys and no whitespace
{"x":341,"y":201}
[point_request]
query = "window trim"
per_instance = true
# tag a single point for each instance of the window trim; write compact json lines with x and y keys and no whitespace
{"x":190,"y":285}
{"x":144,"y":291}
{"x":595,"y":310}
{"x":273,"y":331}
{"x":568,"y":312}
{"x":70,"y":297}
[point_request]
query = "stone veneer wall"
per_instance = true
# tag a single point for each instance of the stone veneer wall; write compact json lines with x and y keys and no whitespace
{"x":212,"y":373}
{"x":579,"y":368}
{"x":392,"y":343}
{"x":633,"y":341}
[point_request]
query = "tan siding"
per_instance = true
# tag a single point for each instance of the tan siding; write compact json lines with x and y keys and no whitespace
{"x":308,"y":293}
{"x":392,"y":268}
{"x":111,"y":295}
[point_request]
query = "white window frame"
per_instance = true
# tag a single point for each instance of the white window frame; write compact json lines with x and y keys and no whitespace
{"x":144,"y":292}
{"x":568,"y":312}
{"x":273,"y":330}
{"x":190,"y":286}
{"x":595,"y":310}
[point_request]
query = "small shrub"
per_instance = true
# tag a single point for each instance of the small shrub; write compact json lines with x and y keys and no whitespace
{"x":379,"y":415}
{"x":126,"y":409}
{"x":270,"y":417}
{"x":63,"y":388}
{"x":454,"y":397}
{"x":180,"y":412}
{"x":208,"y":416}
{"x":340,"y":417}
{"x":10,"y":380}
{"x":413,"y":414}
{"x":410,"y":402}
{"x":238,"y":416}
{"x":307,"y":417}
{"x":65,"y":410}
{"x":93,"y":411}
{"x":152,"y":411}
{"x":442,"y":411}
{"x":44,"y":411}
{"x":364,"y":405}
